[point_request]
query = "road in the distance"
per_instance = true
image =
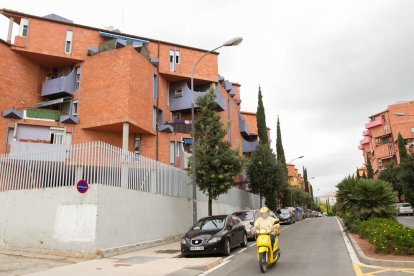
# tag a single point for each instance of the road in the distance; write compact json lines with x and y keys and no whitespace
{"x":309,"y":247}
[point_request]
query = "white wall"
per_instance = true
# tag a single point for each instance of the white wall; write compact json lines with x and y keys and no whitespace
{"x":104,"y":217}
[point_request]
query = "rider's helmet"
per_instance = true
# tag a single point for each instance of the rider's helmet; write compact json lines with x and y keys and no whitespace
{"x":264,"y":210}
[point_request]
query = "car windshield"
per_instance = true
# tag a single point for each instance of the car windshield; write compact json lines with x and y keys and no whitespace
{"x":406,"y":205}
{"x":248,"y":215}
{"x":284,"y":211}
{"x":210,"y":224}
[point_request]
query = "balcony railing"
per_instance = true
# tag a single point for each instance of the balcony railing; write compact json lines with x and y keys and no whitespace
{"x":249,"y":146}
{"x":12,"y":114}
{"x":42,"y":114}
{"x":59,"y":87}
{"x":377,"y":122}
{"x":365,"y":141}
{"x":182,"y":101}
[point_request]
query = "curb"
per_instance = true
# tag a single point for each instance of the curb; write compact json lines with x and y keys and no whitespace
{"x":110,"y":252}
{"x":207,"y":265}
{"x":372,"y":261}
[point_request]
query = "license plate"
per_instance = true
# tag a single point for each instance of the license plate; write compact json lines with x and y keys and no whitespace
{"x":196,"y":248}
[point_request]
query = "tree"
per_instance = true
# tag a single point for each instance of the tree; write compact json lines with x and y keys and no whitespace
{"x":280,"y":153}
{"x":401,"y":148}
{"x":311,"y":191}
{"x":406,"y":176}
{"x":370,"y":172}
{"x":391,"y":175}
{"x":357,"y":174}
{"x":305,"y":179}
{"x":261,"y":120}
{"x":216,"y":163}
{"x":262,"y":172}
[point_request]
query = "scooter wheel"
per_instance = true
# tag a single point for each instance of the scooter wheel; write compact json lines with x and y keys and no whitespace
{"x":263,"y":262}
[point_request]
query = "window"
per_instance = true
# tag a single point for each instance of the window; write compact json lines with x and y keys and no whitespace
{"x":10,"y":135}
{"x":177,"y":116}
{"x":57,"y":136}
{"x":175,"y":58}
{"x":385,"y":128}
{"x":412,"y":131}
{"x":172,"y":152}
{"x":154,"y":118}
{"x":137,"y":145}
{"x":178,"y":93}
{"x":178,"y":149}
{"x":154,"y":86}
{"x":78,"y":73}
{"x":168,"y":94}
{"x":75,"y":108}
{"x":68,"y":42}
{"x":68,"y":139}
{"x":24,"y":26}
{"x":390,"y":150}
{"x":383,"y":117}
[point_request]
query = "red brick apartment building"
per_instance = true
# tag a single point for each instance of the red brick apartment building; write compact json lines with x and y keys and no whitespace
{"x":63,"y":83}
{"x":381,"y":134}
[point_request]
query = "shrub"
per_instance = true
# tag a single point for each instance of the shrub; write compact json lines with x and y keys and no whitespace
{"x":388,"y":236}
{"x":365,"y":198}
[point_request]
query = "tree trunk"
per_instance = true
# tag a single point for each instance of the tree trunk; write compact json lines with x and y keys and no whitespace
{"x":260,"y":195}
{"x":210,"y":206}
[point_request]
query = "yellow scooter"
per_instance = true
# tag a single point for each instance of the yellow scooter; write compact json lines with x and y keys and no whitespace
{"x":265,"y":253}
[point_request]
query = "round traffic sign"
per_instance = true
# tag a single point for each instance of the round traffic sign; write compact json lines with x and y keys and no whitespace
{"x":82,"y":186}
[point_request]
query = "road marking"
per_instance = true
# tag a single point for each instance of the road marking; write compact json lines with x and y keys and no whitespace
{"x":358,"y":270}
{"x":231,"y":256}
{"x":214,"y":268}
{"x":244,"y":249}
{"x":253,"y":244}
{"x":348,"y":245}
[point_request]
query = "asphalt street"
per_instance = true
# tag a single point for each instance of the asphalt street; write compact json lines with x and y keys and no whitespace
{"x":406,"y":220}
{"x":309,"y":247}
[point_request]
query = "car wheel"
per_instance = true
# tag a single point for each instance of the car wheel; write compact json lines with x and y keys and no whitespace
{"x":227,"y":248}
{"x":244,"y":242}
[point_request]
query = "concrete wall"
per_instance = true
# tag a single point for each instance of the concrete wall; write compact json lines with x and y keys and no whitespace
{"x":104,"y":217}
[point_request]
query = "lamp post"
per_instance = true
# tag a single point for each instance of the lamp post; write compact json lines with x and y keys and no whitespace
{"x":231,"y":42}
{"x":299,"y":157}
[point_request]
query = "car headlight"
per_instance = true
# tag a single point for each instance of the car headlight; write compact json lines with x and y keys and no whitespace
{"x":183,"y":241}
{"x":215,"y":239}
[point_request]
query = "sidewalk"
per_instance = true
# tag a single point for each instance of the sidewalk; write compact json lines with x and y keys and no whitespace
{"x":160,"y":260}
{"x":407,"y":221}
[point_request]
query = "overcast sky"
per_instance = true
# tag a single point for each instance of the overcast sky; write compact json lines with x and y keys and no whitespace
{"x":324,"y":66}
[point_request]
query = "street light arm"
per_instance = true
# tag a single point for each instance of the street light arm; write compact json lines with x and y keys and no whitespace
{"x":200,"y":58}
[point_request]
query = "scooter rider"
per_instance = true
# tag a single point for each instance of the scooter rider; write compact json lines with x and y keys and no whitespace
{"x":267,"y":222}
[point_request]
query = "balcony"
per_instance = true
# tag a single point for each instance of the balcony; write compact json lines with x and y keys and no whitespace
{"x":365,"y":141}
{"x":69,"y":119}
{"x":249,"y":146}
{"x":367,"y":132}
{"x":59,"y":87}
{"x":244,"y":128}
{"x":181,"y":96}
{"x":361,"y":147}
{"x":377,"y":122}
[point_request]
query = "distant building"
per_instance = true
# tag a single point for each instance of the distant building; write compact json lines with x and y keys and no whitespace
{"x":329,"y":197}
{"x":381,"y":133}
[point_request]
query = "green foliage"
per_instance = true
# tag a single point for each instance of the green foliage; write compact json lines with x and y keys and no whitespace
{"x":370,"y":171}
{"x":216,"y":162}
{"x":263,"y":171}
{"x":391,"y":174}
{"x":401,"y":148}
{"x":406,"y":176}
{"x":261,"y":120}
{"x":305,"y":179}
{"x":388,"y":236}
{"x":280,"y":152}
{"x":365,"y":198}
{"x":357,"y":174}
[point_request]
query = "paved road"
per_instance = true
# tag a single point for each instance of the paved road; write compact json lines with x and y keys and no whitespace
{"x":406,"y":220}
{"x":309,"y":247}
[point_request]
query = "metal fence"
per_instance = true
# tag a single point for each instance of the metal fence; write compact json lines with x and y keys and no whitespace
{"x":95,"y":162}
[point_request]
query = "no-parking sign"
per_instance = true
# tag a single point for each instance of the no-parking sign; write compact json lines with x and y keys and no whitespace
{"x":82,"y":186}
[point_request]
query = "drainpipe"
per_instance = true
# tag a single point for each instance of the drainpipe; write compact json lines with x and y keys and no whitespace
{"x":9,"y":34}
{"x":158,"y":96}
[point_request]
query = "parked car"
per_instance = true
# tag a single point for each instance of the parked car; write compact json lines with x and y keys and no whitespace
{"x":214,"y":235}
{"x":286,"y":216}
{"x":247,"y":216}
{"x":405,"y":209}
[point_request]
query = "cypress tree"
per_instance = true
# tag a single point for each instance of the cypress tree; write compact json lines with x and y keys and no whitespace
{"x":280,"y":152}
{"x":261,"y":120}
{"x":401,"y":148}
{"x":370,"y":172}
{"x":357,"y":174}
{"x":305,"y":178}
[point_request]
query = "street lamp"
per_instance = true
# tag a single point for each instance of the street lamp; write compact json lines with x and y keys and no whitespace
{"x":299,"y":157}
{"x":232,"y":42}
